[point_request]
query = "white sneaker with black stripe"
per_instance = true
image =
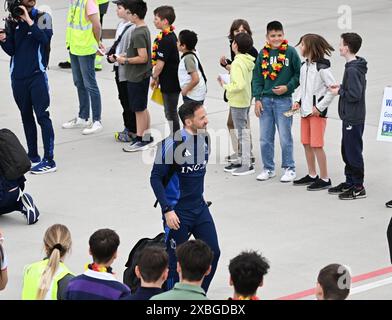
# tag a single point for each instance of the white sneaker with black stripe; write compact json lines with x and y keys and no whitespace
{"x":29,"y":209}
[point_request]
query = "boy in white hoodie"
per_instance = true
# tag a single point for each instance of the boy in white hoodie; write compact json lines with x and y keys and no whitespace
{"x":239,"y":95}
{"x":313,"y":99}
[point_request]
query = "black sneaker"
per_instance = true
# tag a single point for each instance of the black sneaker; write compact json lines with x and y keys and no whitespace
{"x":353,"y":194}
{"x":339,"y":189}
{"x":319,"y":184}
{"x":232,"y":166}
{"x":65,"y":65}
{"x":305,"y":181}
{"x":389,"y":204}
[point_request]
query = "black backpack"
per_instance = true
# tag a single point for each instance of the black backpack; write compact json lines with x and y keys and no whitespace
{"x":14,"y":162}
{"x":129,"y":276}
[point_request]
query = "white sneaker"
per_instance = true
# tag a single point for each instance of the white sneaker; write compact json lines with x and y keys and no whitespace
{"x":265,"y":175}
{"x":76,"y":123}
{"x":94,"y":128}
{"x":289,"y":176}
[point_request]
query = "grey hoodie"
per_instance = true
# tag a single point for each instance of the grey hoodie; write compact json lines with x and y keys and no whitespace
{"x":352,"y":108}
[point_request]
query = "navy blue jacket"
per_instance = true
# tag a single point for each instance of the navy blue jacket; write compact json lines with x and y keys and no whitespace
{"x":186,"y":187}
{"x":352,"y":106}
{"x":28,"y":46}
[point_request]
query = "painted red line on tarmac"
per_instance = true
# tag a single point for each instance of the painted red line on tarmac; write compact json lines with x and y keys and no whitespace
{"x":362,"y":277}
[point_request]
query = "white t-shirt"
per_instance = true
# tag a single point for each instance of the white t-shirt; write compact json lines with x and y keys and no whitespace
{"x":189,"y":64}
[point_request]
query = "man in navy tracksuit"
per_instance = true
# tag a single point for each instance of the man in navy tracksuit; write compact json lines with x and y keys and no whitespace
{"x":27,"y":41}
{"x":184,"y":210}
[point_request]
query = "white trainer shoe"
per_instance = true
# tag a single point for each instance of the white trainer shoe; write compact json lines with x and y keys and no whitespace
{"x":265,"y":175}
{"x":76,"y":123}
{"x":94,"y":128}
{"x":288,"y":176}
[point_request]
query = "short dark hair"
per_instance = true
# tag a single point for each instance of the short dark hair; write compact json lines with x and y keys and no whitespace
{"x":352,"y":40}
{"x":247,"y":271}
{"x":188,"y":39}
{"x":153,"y":261}
{"x":195,"y":258}
{"x":138,"y":7}
{"x":274,"y":26}
{"x":188,"y":109}
{"x":236,"y":25}
{"x":244,"y":42}
{"x":166,"y":12}
{"x":329,"y":280}
{"x":103,"y":245}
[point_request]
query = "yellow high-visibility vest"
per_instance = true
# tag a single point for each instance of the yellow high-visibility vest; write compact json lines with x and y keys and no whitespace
{"x":32,"y":277}
{"x":102,"y":1}
{"x":80,"y":36}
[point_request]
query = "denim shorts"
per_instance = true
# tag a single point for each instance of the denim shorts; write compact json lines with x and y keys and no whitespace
{"x":138,"y":95}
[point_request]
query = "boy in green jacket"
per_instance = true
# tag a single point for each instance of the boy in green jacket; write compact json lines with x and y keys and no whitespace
{"x":275,"y":77}
{"x":239,"y":95}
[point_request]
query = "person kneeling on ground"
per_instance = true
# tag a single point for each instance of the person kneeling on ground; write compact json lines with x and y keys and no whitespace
{"x":12,"y":198}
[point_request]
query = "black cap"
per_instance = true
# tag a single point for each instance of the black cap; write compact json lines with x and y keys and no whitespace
{"x":118,"y":1}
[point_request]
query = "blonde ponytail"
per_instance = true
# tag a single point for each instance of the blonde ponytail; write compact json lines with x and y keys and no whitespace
{"x":48,"y":274}
{"x":57,"y":242}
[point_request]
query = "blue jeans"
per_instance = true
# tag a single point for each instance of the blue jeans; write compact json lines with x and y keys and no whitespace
{"x":272,"y":116}
{"x":83,"y":72}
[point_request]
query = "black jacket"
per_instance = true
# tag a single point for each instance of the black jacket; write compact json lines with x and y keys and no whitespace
{"x":352,"y":107}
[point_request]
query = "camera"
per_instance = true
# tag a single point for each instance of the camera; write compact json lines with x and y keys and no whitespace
{"x":12,"y":6}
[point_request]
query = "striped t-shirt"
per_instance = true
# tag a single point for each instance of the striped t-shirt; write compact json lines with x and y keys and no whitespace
{"x":93,"y":285}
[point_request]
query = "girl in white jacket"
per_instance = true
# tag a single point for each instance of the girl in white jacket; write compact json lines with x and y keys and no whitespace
{"x":313,"y":99}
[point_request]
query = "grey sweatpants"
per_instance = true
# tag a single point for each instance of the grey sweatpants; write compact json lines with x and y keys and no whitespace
{"x":240,"y":118}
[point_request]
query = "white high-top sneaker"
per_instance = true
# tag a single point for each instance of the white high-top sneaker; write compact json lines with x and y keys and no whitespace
{"x":94,"y":128}
{"x":76,"y":123}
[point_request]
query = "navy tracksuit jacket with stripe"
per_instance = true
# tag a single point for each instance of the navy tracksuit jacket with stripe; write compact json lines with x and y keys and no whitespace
{"x":28,"y":47}
{"x":184,"y":194}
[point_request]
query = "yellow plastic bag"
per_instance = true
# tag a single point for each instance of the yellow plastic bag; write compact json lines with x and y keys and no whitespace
{"x":157,"y":96}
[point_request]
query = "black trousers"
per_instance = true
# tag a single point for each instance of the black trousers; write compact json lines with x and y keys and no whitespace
{"x":352,"y":148}
{"x":129,"y":116}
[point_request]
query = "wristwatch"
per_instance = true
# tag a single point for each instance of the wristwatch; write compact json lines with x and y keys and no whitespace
{"x":126,"y":61}
{"x":154,"y":78}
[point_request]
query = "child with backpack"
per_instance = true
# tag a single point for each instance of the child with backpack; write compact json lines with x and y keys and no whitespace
{"x":313,"y":99}
{"x":193,"y":81}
